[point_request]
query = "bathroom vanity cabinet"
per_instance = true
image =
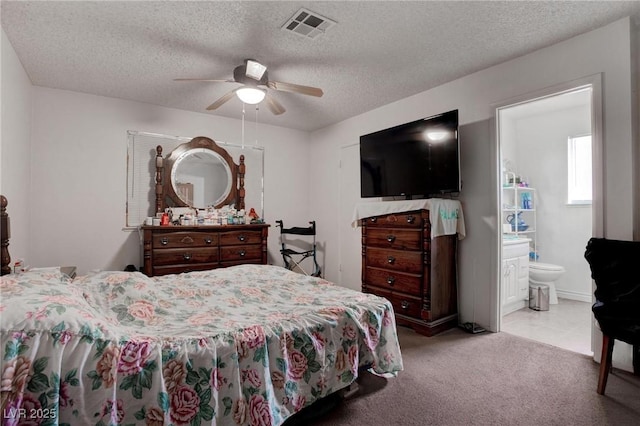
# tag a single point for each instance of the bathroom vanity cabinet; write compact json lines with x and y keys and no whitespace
{"x":515,"y":274}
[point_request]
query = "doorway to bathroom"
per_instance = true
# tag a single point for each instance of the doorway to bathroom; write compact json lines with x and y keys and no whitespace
{"x":549,"y":157}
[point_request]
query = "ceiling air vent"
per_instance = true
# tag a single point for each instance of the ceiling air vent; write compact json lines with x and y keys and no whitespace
{"x":308,"y":24}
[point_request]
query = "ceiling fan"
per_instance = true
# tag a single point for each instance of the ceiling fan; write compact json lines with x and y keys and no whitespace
{"x":253,"y":77}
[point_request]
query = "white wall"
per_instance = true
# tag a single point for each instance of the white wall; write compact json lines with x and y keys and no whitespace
{"x":562,"y":230}
{"x":606,"y":50}
{"x":508,"y":150}
{"x":15,"y":148}
{"x":79,"y":174}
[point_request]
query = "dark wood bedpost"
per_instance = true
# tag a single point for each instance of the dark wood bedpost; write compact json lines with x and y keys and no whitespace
{"x":241,"y":171}
{"x":159,"y":184}
{"x":363,"y":274}
{"x":6,"y":234}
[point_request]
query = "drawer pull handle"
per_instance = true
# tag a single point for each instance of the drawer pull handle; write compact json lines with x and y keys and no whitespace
{"x":411,"y":219}
{"x":391,"y":238}
{"x":242,"y":237}
{"x":242,"y":253}
{"x":208,"y":240}
{"x":391,"y":260}
{"x":186,"y":256}
{"x":404,"y":304}
{"x":391,"y":280}
{"x":187,"y":240}
{"x":164,"y":241}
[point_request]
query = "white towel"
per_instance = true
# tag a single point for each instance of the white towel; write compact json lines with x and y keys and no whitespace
{"x":446,"y":215}
{"x":446,"y":218}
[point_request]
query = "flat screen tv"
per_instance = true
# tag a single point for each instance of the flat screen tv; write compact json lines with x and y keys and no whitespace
{"x":413,"y":160}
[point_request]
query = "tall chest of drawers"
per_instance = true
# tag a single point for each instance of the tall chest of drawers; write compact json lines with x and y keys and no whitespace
{"x":416,"y":273}
{"x":176,"y":249}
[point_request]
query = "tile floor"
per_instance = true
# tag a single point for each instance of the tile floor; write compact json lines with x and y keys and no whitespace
{"x":566,"y":325}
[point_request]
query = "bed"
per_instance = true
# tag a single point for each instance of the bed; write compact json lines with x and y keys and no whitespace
{"x":243,"y":345}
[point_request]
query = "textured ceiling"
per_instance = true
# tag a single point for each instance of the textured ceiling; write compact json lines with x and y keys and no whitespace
{"x":377,"y":53}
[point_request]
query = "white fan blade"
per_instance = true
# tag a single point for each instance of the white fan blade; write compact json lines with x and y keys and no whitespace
{"x":227,"y":97}
{"x":203,"y":79}
{"x":274,"y":106}
{"x":296,"y":88}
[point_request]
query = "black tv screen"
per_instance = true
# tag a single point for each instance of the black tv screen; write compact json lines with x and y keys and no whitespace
{"x":416,"y":159}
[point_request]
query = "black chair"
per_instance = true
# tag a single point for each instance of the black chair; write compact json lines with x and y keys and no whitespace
{"x":294,"y":260}
{"x":614,"y":268}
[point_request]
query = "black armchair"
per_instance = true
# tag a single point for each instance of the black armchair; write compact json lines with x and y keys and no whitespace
{"x":614,"y":267}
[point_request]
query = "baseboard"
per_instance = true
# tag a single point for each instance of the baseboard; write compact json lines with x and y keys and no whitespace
{"x":513,"y":306}
{"x":573,"y":295}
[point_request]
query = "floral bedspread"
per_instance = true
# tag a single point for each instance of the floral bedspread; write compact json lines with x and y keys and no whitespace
{"x":245,"y":345}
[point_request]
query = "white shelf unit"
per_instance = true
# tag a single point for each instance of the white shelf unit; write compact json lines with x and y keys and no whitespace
{"x":514,"y":203}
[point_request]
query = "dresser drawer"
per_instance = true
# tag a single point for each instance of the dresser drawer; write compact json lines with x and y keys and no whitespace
{"x":396,"y":260}
{"x":393,"y":280}
{"x":248,"y":252}
{"x":185,"y":256}
{"x":401,"y":220}
{"x":176,"y":249}
{"x":184,"y":239}
{"x":402,"y":303}
{"x":395,"y":238}
{"x":231,"y":238}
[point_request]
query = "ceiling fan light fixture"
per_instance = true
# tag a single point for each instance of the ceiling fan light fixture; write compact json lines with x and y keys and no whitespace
{"x":251,"y":95}
{"x":255,"y":69}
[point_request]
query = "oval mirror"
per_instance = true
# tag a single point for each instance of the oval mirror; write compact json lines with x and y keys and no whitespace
{"x":199,"y":174}
{"x":200,"y":177}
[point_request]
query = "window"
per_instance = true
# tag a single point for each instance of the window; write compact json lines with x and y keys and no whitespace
{"x":579,"y":170}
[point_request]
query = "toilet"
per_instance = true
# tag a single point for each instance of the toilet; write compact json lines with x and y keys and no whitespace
{"x":547,"y":274}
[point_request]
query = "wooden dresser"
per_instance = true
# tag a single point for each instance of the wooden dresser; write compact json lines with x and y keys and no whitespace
{"x":417,"y":274}
{"x":176,"y":249}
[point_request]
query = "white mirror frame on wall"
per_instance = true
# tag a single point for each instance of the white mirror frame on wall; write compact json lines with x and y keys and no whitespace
{"x":141,"y":170}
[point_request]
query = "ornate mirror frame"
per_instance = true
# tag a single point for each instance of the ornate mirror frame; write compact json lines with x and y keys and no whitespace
{"x":165,"y":169}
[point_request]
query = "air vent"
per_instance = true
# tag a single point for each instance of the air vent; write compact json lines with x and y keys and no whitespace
{"x":308,"y":24}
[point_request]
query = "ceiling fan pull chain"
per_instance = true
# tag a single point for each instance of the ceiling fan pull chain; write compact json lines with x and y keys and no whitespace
{"x":243,"y":125}
{"x":256,"y":127}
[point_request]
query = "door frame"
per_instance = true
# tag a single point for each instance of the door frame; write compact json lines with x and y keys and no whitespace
{"x":349,"y":237}
{"x":597,"y":222}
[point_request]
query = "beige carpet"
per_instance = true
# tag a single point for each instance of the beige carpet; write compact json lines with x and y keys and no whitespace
{"x":457,"y":378}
